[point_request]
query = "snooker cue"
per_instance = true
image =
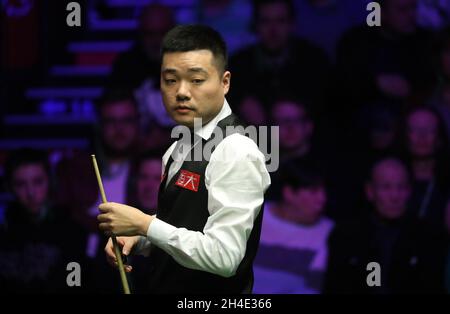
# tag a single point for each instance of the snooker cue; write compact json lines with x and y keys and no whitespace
{"x":123,"y":276}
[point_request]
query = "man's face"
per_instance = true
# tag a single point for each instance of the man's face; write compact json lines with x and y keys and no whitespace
{"x":400,"y":15}
{"x":274,"y":26}
{"x":308,"y":203}
{"x":295,"y":128}
{"x":389,"y":190}
{"x":119,"y":122}
{"x":192,"y":86}
{"x":30,"y":185}
{"x":422,"y":134}
{"x":252,"y":111}
{"x":153,"y":26}
{"x":148,"y":180}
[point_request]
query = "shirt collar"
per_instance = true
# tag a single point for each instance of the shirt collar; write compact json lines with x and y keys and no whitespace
{"x":206,"y":130}
{"x":203,"y":132}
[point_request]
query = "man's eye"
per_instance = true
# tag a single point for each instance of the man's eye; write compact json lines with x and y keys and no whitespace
{"x":19,"y":185}
{"x":39,"y":181}
{"x":170,"y":81}
{"x":197,"y":81}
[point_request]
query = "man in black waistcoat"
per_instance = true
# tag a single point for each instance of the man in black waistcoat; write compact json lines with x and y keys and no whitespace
{"x":204,"y":236}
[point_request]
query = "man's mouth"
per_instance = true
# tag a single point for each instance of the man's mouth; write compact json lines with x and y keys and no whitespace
{"x":183,"y":109}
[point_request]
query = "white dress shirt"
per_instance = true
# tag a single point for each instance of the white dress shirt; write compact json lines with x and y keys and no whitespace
{"x":236,"y":179}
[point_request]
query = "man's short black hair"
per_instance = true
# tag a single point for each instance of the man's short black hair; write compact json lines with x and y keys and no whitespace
{"x":385,"y":158}
{"x":302,"y":176}
{"x":23,"y":157}
{"x":184,"y":38}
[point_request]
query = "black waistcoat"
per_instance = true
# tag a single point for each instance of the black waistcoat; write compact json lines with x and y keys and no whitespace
{"x":184,"y":208}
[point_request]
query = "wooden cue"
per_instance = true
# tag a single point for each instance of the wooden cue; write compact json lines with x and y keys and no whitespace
{"x":123,"y":276}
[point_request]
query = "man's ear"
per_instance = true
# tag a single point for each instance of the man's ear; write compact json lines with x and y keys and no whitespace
{"x":226,"y":81}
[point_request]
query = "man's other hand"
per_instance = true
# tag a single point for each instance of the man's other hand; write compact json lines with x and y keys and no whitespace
{"x":126,"y":244}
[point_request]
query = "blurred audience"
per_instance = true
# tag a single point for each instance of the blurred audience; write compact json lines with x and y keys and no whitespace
{"x":231,"y":18}
{"x":292,"y":255}
{"x":434,"y":14}
{"x":252,"y":111}
{"x":323,"y":21}
{"x":144,"y":177}
{"x":378,"y":123}
{"x":138,"y":69}
{"x":115,"y":145}
{"x":377,"y":133}
{"x":278,"y":62}
{"x":38,"y":238}
{"x":386,"y":92}
{"x":296,"y":129}
{"x":440,"y":100}
{"x":426,"y":151}
{"x":141,"y":62}
{"x":301,"y":144}
{"x":411,"y":253}
{"x":392,"y":62}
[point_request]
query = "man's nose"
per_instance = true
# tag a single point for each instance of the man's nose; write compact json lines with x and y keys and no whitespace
{"x":396,"y":197}
{"x":30,"y":192}
{"x":183,"y":92}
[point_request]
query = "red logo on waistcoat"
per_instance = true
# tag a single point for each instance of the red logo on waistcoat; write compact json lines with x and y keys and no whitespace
{"x":188,"y":180}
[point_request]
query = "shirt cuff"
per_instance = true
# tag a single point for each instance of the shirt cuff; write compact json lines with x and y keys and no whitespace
{"x":142,"y":246}
{"x":159,"y":232}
